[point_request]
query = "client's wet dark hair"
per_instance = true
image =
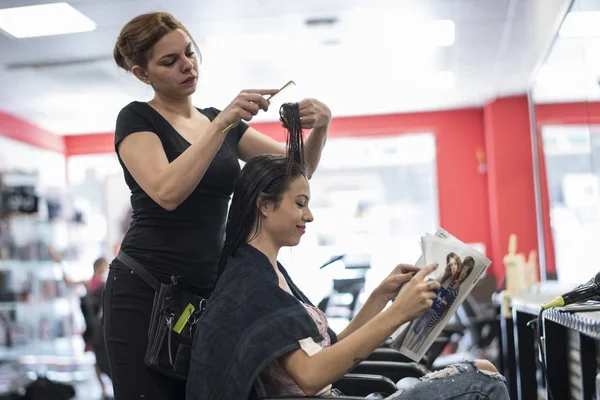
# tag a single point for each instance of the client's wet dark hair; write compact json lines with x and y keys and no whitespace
{"x":264,"y":178}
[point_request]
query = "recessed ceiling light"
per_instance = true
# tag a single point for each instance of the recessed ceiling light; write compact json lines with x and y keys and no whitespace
{"x":581,"y":24}
{"x":330,"y":42}
{"x":44,"y":20}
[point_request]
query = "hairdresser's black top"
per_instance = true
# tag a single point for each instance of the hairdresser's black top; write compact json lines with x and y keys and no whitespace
{"x":187,"y":241}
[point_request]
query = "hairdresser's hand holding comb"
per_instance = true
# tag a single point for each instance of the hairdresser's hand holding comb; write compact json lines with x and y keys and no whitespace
{"x":245,"y":106}
{"x":314,"y":114}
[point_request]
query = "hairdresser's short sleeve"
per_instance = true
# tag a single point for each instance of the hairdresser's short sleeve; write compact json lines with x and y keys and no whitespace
{"x":237,"y":132}
{"x":241,"y":129}
{"x":131,"y":119}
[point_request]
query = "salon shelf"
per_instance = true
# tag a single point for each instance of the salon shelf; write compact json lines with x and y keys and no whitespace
{"x":28,"y":265}
{"x":51,"y":351}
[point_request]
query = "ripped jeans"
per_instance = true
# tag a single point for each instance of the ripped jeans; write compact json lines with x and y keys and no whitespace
{"x":460,"y":381}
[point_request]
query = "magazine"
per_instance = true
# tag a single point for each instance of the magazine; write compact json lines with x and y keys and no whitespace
{"x":460,"y":268}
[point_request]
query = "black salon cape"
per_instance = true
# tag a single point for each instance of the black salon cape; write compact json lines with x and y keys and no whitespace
{"x":249,"y":322}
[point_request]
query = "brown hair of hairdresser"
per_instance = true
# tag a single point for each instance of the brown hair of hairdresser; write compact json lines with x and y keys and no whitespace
{"x":138,"y":37}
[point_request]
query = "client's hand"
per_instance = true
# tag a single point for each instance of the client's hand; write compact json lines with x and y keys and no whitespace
{"x":389,"y":287}
{"x":314,"y":114}
{"x":416,"y":296}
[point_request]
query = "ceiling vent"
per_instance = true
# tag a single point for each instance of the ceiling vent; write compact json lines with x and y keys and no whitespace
{"x":321,"y":22}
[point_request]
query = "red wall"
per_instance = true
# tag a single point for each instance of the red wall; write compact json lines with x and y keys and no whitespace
{"x":463,"y":197}
{"x":567,"y":113}
{"x":465,"y":206}
{"x":510,"y":176}
{"x":462,"y":190}
{"x":89,"y":144}
{"x":18,"y":129}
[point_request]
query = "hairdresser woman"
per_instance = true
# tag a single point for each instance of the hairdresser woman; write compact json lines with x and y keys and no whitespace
{"x":181,"y":168}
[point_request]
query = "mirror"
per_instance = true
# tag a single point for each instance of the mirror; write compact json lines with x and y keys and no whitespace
{"x":566,"y":96}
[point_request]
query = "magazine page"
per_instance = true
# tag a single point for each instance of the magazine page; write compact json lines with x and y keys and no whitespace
{"x":398,"y":336}
{"x":460,"y":268}
{"x":440,"y":233}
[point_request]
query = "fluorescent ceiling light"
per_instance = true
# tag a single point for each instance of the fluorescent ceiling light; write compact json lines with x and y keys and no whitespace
{"x":581,"y":24}
{"x":44,"y":20}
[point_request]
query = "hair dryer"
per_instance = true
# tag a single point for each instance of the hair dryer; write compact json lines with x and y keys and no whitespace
{"x":588,"y":291}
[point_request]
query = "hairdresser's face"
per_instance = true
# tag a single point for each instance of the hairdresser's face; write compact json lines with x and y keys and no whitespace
{"x":286,"y":224}
{"x":173,"y":66}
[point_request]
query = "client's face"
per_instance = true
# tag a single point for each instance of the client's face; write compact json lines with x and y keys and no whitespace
{"x":464,"y":274}
{"x":287,"y":223}
{"x":453,"y":266}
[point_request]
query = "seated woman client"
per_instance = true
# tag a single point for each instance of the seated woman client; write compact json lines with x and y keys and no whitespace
{"x":259,"y":324}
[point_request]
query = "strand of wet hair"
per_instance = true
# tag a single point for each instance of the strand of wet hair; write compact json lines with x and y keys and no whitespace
{"x":289,"y":115}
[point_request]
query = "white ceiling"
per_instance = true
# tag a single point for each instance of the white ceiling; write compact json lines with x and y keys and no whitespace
{"x":69,"y":83}
{"x":571,"y":70}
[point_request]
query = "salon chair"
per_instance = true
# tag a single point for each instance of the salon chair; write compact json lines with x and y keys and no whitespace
{"x":366,"y":378}
{"x":381,"y":370}
{"x":343,"y":300}
{"x":393,"y":370}
{"x":448,"y":335}
{"x":480,"y":321}
{"x":335,"y":305}
{"x":480,"y":326}
{"x":354,"y":386}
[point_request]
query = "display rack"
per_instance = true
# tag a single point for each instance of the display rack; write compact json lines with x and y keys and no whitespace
{"x":36,"y":306}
